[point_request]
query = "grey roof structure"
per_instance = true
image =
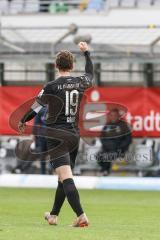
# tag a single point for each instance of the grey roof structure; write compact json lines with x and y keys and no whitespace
{"x":113,"y":35}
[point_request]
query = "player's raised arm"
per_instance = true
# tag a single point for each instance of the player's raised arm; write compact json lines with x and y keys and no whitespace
{"x":88,"y":66}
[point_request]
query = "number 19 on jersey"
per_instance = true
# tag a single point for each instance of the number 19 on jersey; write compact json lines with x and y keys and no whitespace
{"x":72,"y":101}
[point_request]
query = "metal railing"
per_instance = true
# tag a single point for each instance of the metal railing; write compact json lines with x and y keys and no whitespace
{"x":102,"y":77}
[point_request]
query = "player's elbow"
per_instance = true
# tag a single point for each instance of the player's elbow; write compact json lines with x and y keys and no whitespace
{"x":89,"y":83}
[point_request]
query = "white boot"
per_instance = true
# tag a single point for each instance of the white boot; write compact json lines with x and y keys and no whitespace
{"x":52,"y":219}
{"x":81,"y":221}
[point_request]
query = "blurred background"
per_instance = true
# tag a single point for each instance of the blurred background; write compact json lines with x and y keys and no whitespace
{"x":124,"y":36}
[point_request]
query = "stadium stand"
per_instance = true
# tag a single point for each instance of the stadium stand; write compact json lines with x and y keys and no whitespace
{"x":36,"y":6}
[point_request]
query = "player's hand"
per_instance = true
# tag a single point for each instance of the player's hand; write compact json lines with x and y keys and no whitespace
{"x":83,"y":46}
{"x":21,"y":127}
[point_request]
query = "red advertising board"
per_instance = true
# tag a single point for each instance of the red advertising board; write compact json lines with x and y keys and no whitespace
{"x":142,"y":104}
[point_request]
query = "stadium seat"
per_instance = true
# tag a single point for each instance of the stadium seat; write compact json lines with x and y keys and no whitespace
{"x":83,"y":4}
{"x":113,"y":3}
{"x":96,"y":4}
{"x":58,"y":8}
{"x":156,"y":3}
{"x":144,"y":3}
{"x":3,"y":6}
{"x":133,"y":3}
{"x":16,"y":6}
{"x":128,"y":3}
{"x":32,"y":6}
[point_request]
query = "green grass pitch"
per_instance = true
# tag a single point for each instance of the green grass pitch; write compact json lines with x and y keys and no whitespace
{"x":114,"y":215}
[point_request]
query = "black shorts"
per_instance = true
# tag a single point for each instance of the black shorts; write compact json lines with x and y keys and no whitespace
{"x":65,"y":154}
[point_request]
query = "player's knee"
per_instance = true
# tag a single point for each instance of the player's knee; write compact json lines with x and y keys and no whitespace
{"x":65,"y":176}
{"x":64,"y":173}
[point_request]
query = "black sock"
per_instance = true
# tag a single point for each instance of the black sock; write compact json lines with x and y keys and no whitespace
{"x":72,"y":196}
{"x":59,"y":199}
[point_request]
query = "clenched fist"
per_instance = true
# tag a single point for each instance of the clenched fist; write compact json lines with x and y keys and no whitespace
{"x":83,"y":46}
{"x":21,"y":127}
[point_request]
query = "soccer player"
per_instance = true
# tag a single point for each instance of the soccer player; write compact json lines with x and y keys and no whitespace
{"x":67,"y":92}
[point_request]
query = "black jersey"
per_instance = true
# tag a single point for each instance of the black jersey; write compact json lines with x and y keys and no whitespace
{"x":63,"y":97}
{"x":68,"y":92}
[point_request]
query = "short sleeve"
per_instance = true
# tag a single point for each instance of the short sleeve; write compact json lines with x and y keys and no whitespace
{"x":86,"y":81}
{"x":42,"y":96}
